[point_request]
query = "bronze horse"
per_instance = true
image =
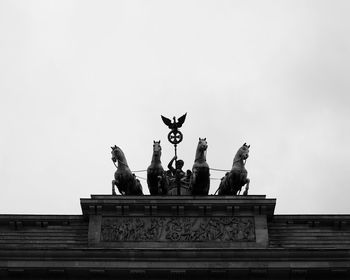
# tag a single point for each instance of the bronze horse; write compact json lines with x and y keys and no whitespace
{"x":200,"y":183}
{"x":124,"y":179}
{"x":234,"y":180}
{"x":156,"y":179}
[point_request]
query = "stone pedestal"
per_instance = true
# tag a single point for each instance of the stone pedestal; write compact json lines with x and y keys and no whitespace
{"x":178,"y":221}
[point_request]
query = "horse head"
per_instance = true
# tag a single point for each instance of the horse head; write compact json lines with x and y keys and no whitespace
{"x":202,"y":144}
{"x":157,"y":148}
{"x":117,"y":154}
{"x":201,"y":149}
{"x":242,"y":154}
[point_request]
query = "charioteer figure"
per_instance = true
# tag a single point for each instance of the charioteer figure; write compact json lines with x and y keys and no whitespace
{"x":179,"y":180}
{"x":177,"y":171}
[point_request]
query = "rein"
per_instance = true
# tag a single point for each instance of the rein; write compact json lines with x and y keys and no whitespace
{"x":133,"y":171}
{"x":120,"y":162}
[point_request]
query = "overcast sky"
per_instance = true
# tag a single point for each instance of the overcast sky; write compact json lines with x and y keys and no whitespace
{"x":77,"y":77}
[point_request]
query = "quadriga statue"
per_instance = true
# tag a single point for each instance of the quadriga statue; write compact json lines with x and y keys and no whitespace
{"x":124,"y":179}
{"x":234,"y":180}
{"x":156,"y":178}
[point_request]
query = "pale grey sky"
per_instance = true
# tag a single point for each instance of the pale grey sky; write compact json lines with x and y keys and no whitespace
{"x":77,"y":77}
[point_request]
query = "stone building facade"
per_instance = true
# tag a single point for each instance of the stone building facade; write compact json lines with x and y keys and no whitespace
{"x":177,"y":237}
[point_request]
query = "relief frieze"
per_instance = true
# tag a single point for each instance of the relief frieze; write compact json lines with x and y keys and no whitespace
{"x":178,"y":229}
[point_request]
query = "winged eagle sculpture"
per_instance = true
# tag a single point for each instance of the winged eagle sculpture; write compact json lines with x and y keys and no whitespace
{"x":174,"y":125}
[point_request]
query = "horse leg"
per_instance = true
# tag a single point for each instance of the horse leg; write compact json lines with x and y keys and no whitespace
{"x":165,"y":184}
{"x":193,"y":182}
{"x":245,"y":193}
{"x":236,"y":191}
{"x":161,"y":184}
{"x":138,"y":187}
{"x":158,"y":185}
{"x":114,"y":183}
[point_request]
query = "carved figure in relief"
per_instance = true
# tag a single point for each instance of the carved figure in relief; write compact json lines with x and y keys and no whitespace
{"x":182,"y":229}
{"x":234,"y":180}
{"x":124,"y":179}
{"x":200,"y":183}
{"x":156,"y":178}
